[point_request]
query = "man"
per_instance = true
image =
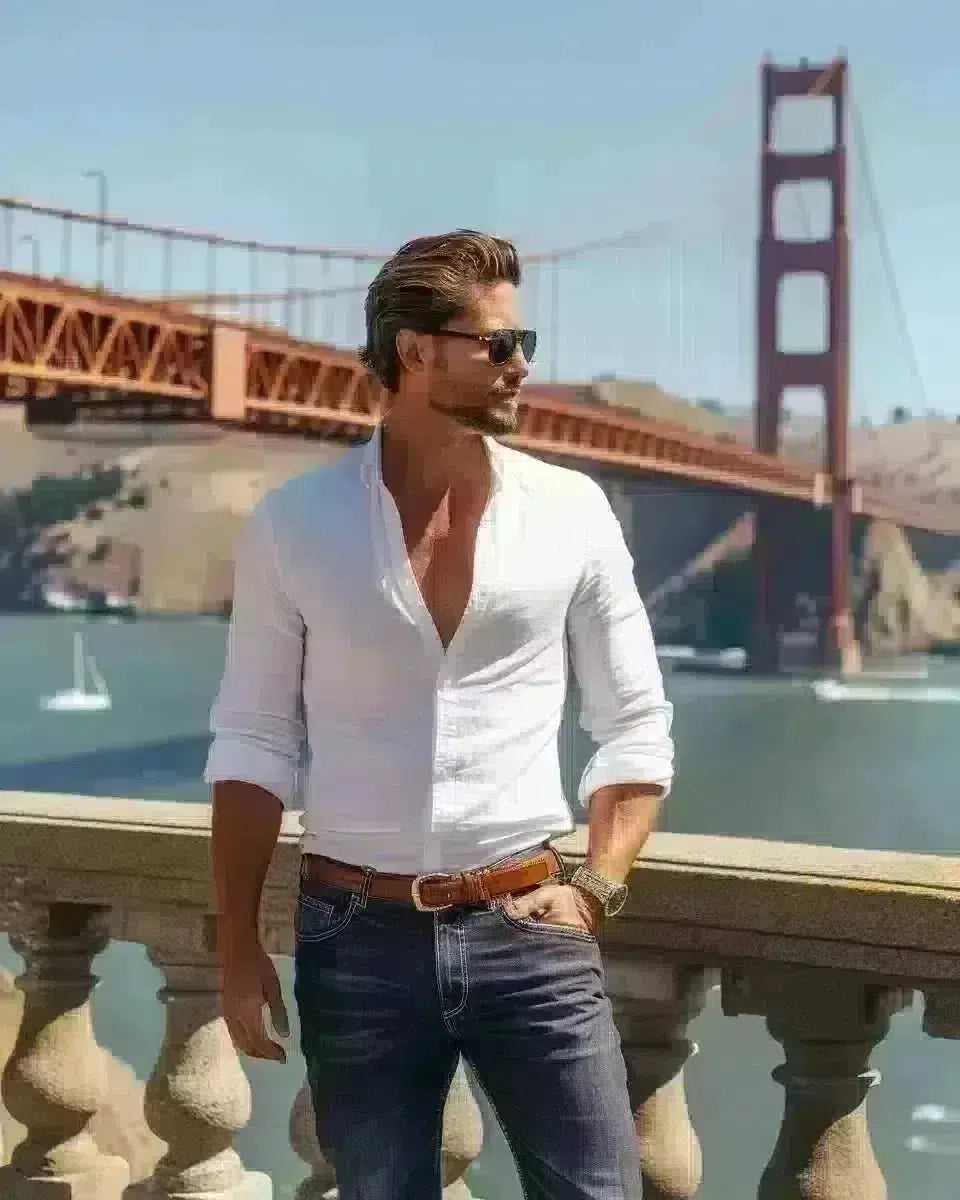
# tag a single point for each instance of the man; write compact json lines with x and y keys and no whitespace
{"x":406,"y":614}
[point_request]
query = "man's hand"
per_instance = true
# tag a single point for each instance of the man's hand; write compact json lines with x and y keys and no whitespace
{"x":559,"y":904}
{"x":249,"y":982}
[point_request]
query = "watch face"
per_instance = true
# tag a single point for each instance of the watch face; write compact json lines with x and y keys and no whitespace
{"x":617,"y":900}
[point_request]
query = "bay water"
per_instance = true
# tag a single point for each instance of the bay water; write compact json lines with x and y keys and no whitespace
{"x":755,"y":758}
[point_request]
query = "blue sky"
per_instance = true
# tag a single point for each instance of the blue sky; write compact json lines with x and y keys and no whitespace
{"x":553,"y":123}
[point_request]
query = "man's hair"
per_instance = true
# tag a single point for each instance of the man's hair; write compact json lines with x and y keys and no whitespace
{"x":424,"y":286}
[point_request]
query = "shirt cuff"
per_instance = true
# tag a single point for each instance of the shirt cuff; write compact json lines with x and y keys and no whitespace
{"x":247,"y":761}
{"x":614,"y":766}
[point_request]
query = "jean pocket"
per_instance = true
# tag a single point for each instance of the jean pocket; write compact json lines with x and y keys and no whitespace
{"x":319,"y":917}
{"x":545,"y":928}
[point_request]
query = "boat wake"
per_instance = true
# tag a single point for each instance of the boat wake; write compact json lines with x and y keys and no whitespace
{"x":833,"y":691}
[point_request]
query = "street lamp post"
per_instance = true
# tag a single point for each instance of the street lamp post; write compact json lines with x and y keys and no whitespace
{"x":101,"y":179}
{"x":8,"y":237}
{"x":29,"y":239}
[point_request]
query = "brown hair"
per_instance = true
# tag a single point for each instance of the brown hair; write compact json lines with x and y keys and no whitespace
{"x":424,"y":286}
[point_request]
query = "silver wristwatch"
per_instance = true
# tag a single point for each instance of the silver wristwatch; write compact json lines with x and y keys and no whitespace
{"x":612,"y":896}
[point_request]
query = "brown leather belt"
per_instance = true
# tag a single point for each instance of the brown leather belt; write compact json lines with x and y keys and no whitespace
{"x":435,"y":891}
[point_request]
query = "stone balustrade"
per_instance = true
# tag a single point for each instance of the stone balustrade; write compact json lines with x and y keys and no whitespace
{"x":826,"y":944}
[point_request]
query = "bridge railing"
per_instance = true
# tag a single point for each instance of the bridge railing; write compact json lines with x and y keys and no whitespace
{"x":826,"y":944}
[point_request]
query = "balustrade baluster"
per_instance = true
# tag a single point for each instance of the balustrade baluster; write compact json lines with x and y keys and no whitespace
{"x":828,"y":1023}
{"x":56,"y":1076}
{"x":321,"y":1181}
{"x":198,"y":1097}
{"x":653,"y":1005}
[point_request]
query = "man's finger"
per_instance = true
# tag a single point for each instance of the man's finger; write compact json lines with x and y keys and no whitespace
{"x":246,"y":1028}
{"x":533,"y":904}
{"x":278,"y":1012}
{"x":251,"y":1039}
{"x":238,"y":1035}
{"x":272,"y":1051}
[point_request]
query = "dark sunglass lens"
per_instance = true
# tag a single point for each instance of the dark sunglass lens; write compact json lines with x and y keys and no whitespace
{"x":502,"y":346}
{"x":528,"y":344}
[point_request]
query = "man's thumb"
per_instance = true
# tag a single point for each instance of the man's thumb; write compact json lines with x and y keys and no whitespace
{"x":278,"y":1013}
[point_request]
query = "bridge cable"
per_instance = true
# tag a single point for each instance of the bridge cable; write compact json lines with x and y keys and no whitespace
{"x":861,"y":151}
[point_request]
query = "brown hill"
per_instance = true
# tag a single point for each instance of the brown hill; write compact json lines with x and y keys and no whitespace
{"x":168,"y":531}
{"x":173,"y":548}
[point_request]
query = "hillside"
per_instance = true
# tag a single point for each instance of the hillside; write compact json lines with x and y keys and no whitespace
{"x":169,"y":501}
{"x":918,"y":459}
{"x":901,"y":606}
{"x":174,"y":549}
{"x":650,"y":400}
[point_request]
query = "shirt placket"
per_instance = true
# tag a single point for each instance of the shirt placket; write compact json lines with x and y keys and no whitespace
{"x":397,"y":581}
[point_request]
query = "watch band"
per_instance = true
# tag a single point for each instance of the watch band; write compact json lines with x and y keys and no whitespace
{"x":612,"y":896}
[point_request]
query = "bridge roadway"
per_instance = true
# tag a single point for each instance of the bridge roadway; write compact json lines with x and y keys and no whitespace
{"x":59,"y":338}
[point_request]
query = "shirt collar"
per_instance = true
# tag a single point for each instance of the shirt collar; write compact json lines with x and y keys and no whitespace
{"x":370,"y":459}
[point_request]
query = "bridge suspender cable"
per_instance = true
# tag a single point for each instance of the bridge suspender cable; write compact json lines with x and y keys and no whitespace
{"x":650,"y":232}
{"x":876,"y":212}
{"x":623,"y":239}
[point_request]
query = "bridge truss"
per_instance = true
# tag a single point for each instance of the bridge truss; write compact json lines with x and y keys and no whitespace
{"x":96,"y":348}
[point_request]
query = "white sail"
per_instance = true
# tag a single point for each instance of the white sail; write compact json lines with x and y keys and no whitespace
{"x":79,"y":698}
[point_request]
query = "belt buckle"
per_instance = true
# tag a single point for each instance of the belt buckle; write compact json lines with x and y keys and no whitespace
{"x":418,"y":903}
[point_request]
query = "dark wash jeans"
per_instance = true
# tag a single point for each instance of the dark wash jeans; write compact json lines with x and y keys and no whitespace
{"x":389,"y":998}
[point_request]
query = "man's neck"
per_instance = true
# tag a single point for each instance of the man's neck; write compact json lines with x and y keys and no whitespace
{"x":430,"y":456}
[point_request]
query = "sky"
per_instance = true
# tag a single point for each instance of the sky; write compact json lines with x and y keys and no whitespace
{"x":552,"y":123}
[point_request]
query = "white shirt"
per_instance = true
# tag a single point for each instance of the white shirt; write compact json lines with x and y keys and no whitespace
{"x":419,"y":759}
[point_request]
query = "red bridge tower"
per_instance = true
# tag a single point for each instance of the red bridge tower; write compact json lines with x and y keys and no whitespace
{"x":828,"y":370}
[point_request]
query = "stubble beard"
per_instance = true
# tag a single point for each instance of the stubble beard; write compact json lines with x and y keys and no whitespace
{"x":494,"y":420}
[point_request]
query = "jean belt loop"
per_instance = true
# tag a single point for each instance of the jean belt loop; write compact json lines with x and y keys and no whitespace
{"x":364,"y":893}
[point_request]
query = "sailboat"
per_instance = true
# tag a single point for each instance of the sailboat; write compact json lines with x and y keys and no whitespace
{"x":79,"y":698}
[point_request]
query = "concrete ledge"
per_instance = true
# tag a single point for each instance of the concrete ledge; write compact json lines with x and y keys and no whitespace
{"x":705,"y":900}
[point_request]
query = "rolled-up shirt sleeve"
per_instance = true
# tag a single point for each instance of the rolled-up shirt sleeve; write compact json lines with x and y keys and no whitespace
{"x":623,"y":705}
{"x":257,"y":717}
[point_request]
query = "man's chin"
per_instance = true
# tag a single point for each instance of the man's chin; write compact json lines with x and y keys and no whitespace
{"x":493,"y":421}
{"x":496,"y":420}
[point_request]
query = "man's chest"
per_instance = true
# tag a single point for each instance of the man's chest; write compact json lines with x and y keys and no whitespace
{"x":380,"y":601}
{"x":441,"y":549}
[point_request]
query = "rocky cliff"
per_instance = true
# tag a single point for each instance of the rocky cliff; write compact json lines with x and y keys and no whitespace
{"x":900,"y":607}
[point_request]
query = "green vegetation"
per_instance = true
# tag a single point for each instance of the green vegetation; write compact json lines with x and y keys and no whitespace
{"x":27,"y":517}
{"x":727,"y":597}
{"x":715,"y":611}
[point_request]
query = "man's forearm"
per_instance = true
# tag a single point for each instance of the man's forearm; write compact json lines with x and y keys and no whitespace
{"x":622,"y":817}
{"x":246,"y":825}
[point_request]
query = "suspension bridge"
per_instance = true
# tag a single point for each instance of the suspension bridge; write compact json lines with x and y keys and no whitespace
{"x":107,"y":318}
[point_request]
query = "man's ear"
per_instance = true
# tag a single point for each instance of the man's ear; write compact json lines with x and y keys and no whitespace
{"x":411,"y":350}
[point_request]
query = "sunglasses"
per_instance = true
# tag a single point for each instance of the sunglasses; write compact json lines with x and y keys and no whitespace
{"x":501,"y":343}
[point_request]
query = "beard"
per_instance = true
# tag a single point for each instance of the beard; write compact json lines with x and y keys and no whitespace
{"x":497,"y":417}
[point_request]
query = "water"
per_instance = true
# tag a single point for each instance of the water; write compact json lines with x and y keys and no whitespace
{"x":755,"y":758}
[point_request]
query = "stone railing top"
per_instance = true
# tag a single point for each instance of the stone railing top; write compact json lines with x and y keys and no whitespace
{"x":695,"y":898}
